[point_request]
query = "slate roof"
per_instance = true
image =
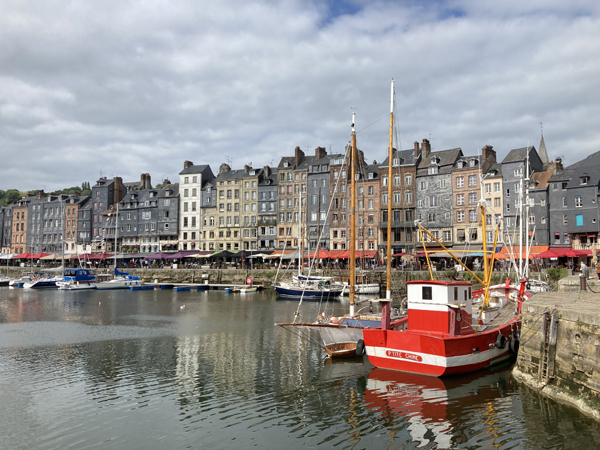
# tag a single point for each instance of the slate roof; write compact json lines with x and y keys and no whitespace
{"x":563,"y":175}
{"x":446,"y":158}
{"x":591,"y":171}
{"x":496,"y":167}
{"x":407,"y":158}
{"x":517,"y":154}
{"x":195,"y":169}
{"x":289,"y":159}
{"x":590,"y":160}
{"x":232,"y":175}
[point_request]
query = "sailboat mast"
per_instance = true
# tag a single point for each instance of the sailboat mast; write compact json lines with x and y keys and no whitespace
{"x":526,"y":224}
{"x":388,"y":285}
{"x":116,"y":234}
{"x":353,"y":216}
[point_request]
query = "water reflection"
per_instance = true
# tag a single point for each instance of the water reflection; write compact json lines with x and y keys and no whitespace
{"x":134,"y":369}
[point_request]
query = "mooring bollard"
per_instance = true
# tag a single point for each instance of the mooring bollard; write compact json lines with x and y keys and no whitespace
{"x":582,"y":282}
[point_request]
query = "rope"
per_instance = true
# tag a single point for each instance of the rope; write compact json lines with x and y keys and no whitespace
{"x":303,"y":335}
{"x":590,"y":288}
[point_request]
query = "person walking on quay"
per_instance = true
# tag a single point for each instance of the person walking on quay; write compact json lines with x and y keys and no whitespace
{"x":584,"y":270}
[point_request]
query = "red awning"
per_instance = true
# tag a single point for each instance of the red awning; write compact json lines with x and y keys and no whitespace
{"x":23,"y":256}
{"x":39,"y":255}
{"x":323,"y":254}
{"x":338,"y":254}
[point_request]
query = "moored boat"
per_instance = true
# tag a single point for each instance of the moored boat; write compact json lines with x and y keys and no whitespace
{"x":78,"y":279}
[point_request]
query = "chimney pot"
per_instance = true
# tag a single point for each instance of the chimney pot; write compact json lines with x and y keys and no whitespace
{"x":417,"y":149}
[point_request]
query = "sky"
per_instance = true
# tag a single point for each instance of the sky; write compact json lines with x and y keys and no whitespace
{"x":121,"y":87}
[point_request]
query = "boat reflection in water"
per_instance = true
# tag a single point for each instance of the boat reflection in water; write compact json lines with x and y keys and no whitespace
{"x":443,"y":413}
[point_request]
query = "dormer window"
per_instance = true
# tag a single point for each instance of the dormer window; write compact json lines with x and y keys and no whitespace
{"x":460,"y":164}
{"x":286,"y":164}
{"x":584,"y":179}
{"x":371,"y":176}
{"x":253,"y":172}
{"x":434,"y":160}
{"x":432,"y":170}
{"x":396,"y":161}
{"x":472,"y":163}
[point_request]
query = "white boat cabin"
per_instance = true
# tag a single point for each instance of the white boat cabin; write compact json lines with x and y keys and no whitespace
{"x":443,"y":307}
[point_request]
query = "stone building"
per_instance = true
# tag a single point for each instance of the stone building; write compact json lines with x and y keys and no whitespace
{"x":6,"y":228}
{"x":71,"y":208}
{"x":208,"y":211}
{"x":249,"y":207}
{"x":513,"y":183}
{"x":105,"y":193}
{"x":292,"y":191}
{"x":267,"y":210}
{"x":574,"y":213}
{"x":228,"y":213}
{"x":317,"y":198}
{"x":492,"y":194}
{"x":168,"y":217}
{"x":84,"y":227}
{"x":434,"y":192}
{"x":339,"y":217}
{"x":368,"y":206}
{"x":404,"y":166}
{"x":19,"y":225}
{"x":191,"y":180}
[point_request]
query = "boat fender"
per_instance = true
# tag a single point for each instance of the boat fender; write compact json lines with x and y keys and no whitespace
{"x":517,"y":334}
{"x":515,"y":342}
{"x":334,"y":320}
{"x":501,"y":341}
{"x":35,"y":279}
{"x":360,"y":347}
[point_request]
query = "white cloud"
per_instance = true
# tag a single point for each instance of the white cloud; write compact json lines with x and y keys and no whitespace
{"x":140,"y":87}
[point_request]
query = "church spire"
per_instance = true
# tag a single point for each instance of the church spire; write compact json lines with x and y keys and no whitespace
{"x":542,"y":149}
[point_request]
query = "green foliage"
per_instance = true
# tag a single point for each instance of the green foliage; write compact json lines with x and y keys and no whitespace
{"x":451,"y":274}
{"x":158,"y":186}
{"x":8,"y":197}
{"x":556,"y":273}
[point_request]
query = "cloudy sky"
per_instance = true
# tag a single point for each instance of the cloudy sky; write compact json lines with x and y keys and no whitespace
{"x":124,"y":87}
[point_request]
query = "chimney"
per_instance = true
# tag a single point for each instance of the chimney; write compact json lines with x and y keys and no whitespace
{"x":187,"y":164}
{"x":298,"y":155}
{"x":557,"y":166}
{"x":118,"y":192}
{"x":224,"y":168}
{"x":361,"y":159}
{"x":425,"y":148}
{"x":40,"y":194}
{"x":417,"y":149}
{"x":247,"y":168}
{"x":320,"y":152}
{"x":267,"y":171}
{"x":166,"y":182}
{"x":488,"y":154}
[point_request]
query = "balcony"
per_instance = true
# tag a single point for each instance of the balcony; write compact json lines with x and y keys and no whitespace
{"x":398,"y":224}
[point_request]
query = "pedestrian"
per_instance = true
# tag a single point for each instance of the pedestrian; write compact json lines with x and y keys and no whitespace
{"x":584,"y":270}
{"x":598,"y":269}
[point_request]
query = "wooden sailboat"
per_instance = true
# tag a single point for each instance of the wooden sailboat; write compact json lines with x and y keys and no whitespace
{"x":343,"y":336}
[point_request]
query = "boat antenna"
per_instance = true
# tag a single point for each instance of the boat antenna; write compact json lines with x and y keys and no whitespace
{"x":388,"y":286}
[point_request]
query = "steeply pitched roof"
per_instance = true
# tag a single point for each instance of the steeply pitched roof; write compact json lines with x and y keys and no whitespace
{"x":194,"y":169}
{"x":542,"y":178}
{"x":517,"y":154}
{"x":591,"y":160}
{"x":407,"y":158}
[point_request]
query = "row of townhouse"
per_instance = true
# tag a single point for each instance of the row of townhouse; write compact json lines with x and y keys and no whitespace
{"x":305,"y":203}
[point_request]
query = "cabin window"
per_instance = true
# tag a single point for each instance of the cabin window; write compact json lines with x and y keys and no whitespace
{"x":455,"y":293}
{"x":427,"y":294}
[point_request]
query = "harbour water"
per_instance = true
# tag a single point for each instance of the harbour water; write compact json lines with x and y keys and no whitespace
{"x":174,"y":370}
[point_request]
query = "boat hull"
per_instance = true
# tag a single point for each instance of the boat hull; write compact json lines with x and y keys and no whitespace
{"x":436,"y":355}
{"x":120,"y":284}
{"x":41,"y":284}
{"x":76,"y":286}
{"x":307,"y":293}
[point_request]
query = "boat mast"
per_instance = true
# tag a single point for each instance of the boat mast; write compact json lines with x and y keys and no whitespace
{"x":116,"y":234}
{"x":526,"y":273}
{"x":520,"y":217}
{"x":388,"y":285}
{"x":353,"y":216}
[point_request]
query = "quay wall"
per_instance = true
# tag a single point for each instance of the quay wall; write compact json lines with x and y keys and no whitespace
{"x":562,"y":360}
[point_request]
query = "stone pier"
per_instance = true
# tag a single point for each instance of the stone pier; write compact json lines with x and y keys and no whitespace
{"x":560,"y":348}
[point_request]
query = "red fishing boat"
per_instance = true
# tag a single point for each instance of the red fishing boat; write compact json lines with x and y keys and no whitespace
{"x":448,"y":330}
{"x":444,"y":334}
